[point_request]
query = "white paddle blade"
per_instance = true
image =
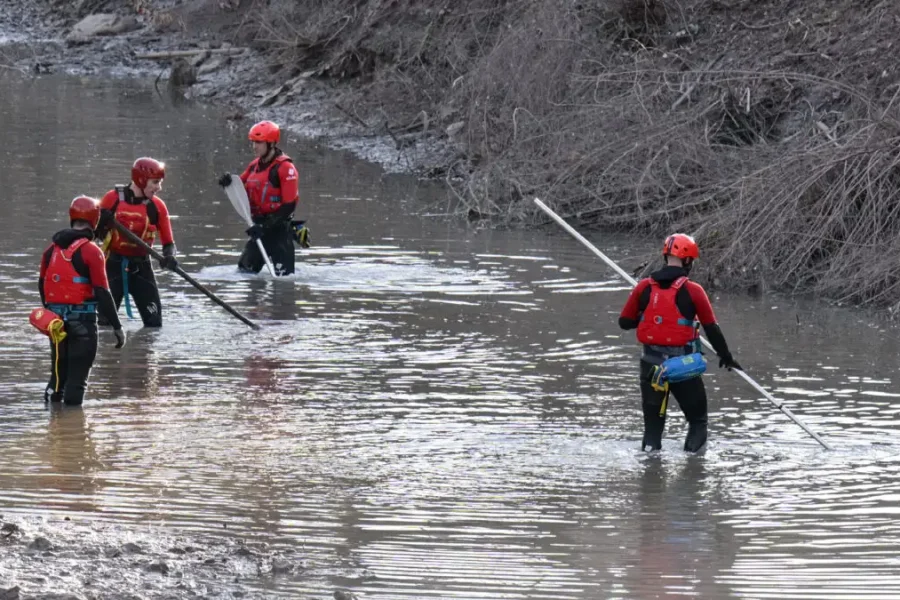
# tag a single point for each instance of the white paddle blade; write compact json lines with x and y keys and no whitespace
{"x":237,"y":195}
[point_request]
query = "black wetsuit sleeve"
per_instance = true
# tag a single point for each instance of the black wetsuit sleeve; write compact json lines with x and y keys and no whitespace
{"x":283,"y":213}
{"x":45,"y":261}
{"x":626,"y":323}
{"x":107,"y":306}
{"x":717,"y":339}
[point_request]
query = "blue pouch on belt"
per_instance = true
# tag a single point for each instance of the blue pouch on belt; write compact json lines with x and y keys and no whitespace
{"x":677,"y":368}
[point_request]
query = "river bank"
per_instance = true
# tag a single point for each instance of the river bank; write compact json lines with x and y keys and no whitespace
{"x":436,"y":413}
{"x":771,"y":135}
{"x":183,"y":49}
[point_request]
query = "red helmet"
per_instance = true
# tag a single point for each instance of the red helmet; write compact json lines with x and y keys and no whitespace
{"x":85,"y":208}
{"x":681,"y":246}
{"x":265,"y":131}
{"x":145,"y":169}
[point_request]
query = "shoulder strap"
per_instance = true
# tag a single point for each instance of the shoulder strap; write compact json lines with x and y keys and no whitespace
{"x":676,"y":285}
{"x":78,"y":261}
{"x":153,"y":212}
{"x":121,"y":191}
{"x":274,"y":179}
{"x":74,"y":247}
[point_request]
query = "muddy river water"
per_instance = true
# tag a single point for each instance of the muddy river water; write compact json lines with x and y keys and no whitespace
{"x":431,"y":409}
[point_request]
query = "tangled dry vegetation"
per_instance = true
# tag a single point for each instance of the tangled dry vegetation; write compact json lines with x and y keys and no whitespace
{"x":770,"y":128}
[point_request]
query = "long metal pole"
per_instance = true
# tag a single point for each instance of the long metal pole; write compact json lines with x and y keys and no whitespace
{"x":779,"y":404}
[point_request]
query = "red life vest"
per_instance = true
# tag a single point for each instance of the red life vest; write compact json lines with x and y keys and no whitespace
{"x":62,"y":283}
{"x":661,"y":323}
{"x":142,"y":219}
{"x":264,"y":187}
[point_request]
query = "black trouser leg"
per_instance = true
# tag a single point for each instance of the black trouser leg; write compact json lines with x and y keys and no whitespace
{"x":651,"y":403}
{"x":654,"y":424}
{"x":145,"y":292}
{"x":58,"y":370}
{"x":251,"y":261}
{"x":72,"y":360}
{"x":279,"y":246}
{"x":82,"y":351}
{"x":691,"y":396}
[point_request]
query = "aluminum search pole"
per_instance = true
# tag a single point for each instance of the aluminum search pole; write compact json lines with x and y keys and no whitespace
{"x":779,"y":404}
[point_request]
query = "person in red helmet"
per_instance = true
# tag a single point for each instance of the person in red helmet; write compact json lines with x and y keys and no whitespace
{"x":271,"y":182}
{"x":73,"y":286}
{"x":667,"y":310}
{"x":128,"y":266}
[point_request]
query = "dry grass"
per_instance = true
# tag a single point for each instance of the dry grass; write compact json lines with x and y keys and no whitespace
{"x":616,"y":113}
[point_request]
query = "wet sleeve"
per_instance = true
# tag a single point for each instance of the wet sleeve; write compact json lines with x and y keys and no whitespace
{"x":93,"y":259}
{"x":705,"y":313}
{"x":45,"y":260}
{"x":290,"y":180}
{"x":109,"y":199}
{"x":107,"y":307}
{"x":284,"y":211}
{"x":631,"y":312}
{"x":106,"y":214}
{"x":708,"y":319}
{"x":717,"y":339}
{"x":165,"y":225}
{"x":96,"y":264}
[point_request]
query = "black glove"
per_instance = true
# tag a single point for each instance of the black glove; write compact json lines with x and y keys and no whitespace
{"x":120,"y":337}
{"x":168,"y":262}
{"x":255,"y":232}
{"x":225,"y":180}
{"x":729,"y":363}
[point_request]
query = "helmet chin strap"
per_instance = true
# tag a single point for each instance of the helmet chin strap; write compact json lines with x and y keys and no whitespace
{"x":143,"y":190}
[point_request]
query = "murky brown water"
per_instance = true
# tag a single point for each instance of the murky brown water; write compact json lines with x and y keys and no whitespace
{"x":431,"y":410}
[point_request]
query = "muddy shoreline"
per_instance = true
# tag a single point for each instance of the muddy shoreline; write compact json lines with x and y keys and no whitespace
{"x":69,"y":558}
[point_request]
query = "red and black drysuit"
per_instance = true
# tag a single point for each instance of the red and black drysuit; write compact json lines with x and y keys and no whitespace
{"x":128,"y":265}
{"x":272,"y":189}
{"x":73,"y":285}
{"x":664,"y":308}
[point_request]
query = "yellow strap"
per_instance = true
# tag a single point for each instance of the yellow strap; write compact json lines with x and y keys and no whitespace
{"x":56,"y":367}
{"x":655,"y":376}
{"x":57,"y":330}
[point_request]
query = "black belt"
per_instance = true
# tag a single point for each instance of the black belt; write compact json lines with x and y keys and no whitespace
{"x":75,"y":312}
{"x":665,"y":352}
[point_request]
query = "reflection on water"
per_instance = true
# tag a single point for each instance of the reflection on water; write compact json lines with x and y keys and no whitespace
{"x":428,"y":411}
